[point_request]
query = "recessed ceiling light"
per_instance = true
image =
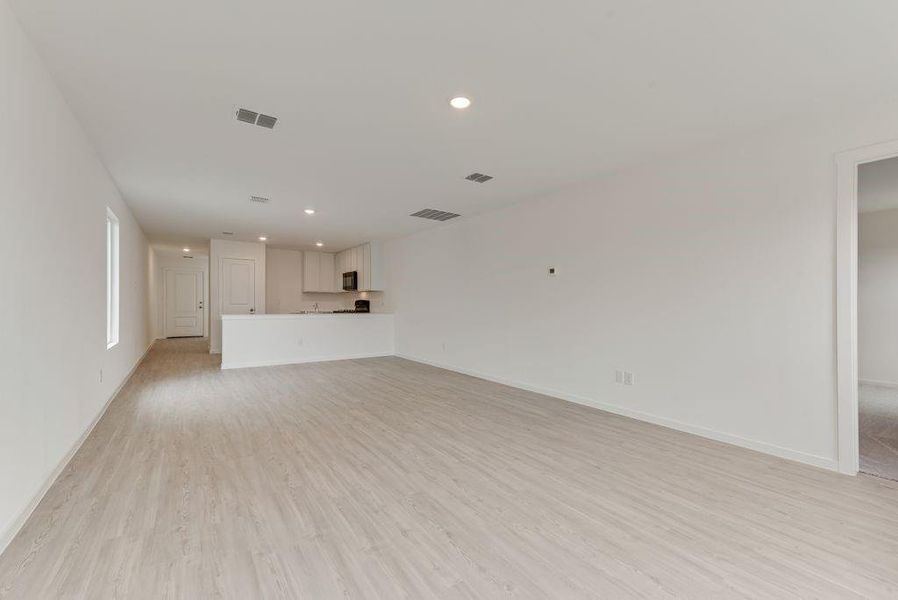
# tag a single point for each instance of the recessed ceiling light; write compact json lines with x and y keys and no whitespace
{"x":460,"y":102}
{"x":262,"y":238}
{"x":310,"y":211}
{"x":319,"y":244}
{"x":186,"y":249}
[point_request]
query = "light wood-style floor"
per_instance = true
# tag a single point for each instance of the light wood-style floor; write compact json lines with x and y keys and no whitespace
{"x":878,"y":430}
{"x":383,"y":478}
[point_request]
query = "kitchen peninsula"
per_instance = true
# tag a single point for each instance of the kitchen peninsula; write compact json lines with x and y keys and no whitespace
{"x":258,"y":340}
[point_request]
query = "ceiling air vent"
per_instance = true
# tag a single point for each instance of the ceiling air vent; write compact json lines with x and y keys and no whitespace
{"x":247,"y":116}
{"x":478,"y":177}
{"x":266,"y":121}
{"x":435,"y":215}
{"x":259,"y":199}
{"x":250,"y":116}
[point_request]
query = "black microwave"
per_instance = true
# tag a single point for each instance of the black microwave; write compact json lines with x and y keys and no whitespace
{"x":350,"y":281}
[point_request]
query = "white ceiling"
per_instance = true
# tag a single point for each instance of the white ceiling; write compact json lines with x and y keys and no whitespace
{"x":562,"y":91}
{"x":877,"y":187}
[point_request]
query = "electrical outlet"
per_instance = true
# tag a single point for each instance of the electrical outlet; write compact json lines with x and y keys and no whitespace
{"x":628,"y":378}
{"x":618,"y":377}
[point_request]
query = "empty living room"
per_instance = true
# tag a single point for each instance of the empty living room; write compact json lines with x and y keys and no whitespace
{"x":460,"y":300}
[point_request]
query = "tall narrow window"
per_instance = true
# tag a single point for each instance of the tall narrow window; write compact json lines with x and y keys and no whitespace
{"x":112,"y":279}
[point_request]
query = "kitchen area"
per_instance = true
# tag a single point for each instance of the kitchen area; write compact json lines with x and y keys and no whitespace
{"x":300,"y":306}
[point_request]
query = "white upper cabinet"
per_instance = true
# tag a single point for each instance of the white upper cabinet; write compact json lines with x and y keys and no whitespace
{"x":342,"y":266}
{"x":311,"y":269}
{"x":367,"y":261}
{"x":374,"y":259}
{"x":365,"y":272}
{"x":326,"y":275}
{"x":318,"y":272}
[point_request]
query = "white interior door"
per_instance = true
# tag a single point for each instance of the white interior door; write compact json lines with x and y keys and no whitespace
{"x":238,"y":286}
{"x":185,"y":307}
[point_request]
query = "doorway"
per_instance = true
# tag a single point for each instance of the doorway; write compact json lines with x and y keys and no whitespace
{"x":867,"y":309}
{"x":877,"y":304}
{"x":184,"y":303}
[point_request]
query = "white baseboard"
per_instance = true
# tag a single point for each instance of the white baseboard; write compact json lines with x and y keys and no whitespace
{"x":889,"y":384}
{"x":719,"y":436}
{"x":262,"y":363}
{"x":16,"y":524}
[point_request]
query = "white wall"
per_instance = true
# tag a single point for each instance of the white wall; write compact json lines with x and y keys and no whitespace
{"x":877,"y":295}
{"x":54,"y":193}
{"x":166,"y":258}
{"x":219,"y":249}
{"x":709,"y":275}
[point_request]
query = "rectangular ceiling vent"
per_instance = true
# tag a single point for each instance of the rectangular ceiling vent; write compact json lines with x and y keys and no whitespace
{"x":435,"y":215}
{"x":478,"y":177}
{"x":266,"y":121}
{"x":248,"y":116}
{"x":259,"y":199}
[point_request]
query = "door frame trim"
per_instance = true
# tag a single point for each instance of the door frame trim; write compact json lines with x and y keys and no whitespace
{"x":846,"y":185}
{"x":204,"y":284}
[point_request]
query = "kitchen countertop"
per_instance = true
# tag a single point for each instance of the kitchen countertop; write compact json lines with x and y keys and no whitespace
{"x":301,"y":315}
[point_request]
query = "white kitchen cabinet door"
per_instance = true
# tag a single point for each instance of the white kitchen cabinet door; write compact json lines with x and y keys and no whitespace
{"x":375,"y":266}
{"x":365,"y":267}
{"x":318,"y":272}
{"x":340,"y":264}
{"x":311,"y":271}
{"x":326,"y":278}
